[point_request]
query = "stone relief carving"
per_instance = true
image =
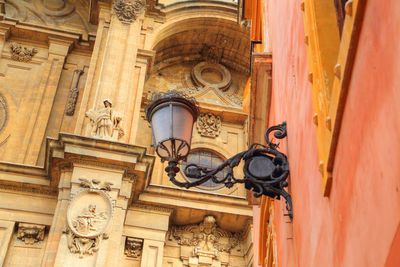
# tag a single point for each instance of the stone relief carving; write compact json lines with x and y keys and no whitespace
{"x":83,"y":245}
{"x":30,"y":233}
{"x":73,"y":94}
{"x":20,"y":53}
{"x":208,"y":125}
{"x":222,"y":83}
{"x":205,"y":237}
{"x":95,"y":184}
{"x":89,"y":221}
{"x":128,"y":10}
{"x":4,"y":113}
{"x":88,"y":216}
{"x":133,"y":247}
{"x":105,"y":122}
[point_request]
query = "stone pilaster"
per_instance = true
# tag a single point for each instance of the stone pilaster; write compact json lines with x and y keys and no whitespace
{"x":88,"y":224}
{"x":42,"y":104}
{"x":117,"y":71}
{"x":153,"y":234}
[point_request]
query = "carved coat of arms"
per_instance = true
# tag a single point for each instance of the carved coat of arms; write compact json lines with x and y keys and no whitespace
{"x":88,"y":216}
{"x":209,"y":125}
{"x":128,"y":10}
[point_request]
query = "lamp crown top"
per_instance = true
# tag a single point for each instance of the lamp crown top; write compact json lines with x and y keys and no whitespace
{"x":158,"y":98}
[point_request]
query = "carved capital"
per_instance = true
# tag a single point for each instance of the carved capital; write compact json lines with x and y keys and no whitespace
{"x":30,"y":233}
{"x":128,"y":10}
{"x":133,"y":247}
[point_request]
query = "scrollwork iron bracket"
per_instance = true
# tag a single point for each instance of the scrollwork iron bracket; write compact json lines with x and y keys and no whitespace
{"x":265,"y":170}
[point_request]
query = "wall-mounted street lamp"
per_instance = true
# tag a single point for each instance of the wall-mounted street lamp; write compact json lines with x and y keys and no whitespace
{"x":172,"y":115}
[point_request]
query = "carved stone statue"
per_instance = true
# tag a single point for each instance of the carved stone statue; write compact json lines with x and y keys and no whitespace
{"x":105,"y":122}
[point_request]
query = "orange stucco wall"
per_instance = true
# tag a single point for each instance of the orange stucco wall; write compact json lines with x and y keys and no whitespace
{"x":358,"y":224}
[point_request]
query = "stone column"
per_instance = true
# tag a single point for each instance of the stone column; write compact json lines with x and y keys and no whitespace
{"x":93,"y":222}
{"x":59,"y":219}
{"x":116,"y":71}
{"x":94,"y":193}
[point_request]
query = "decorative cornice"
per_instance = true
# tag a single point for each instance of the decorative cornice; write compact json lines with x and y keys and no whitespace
{"x":28,"y":189}
{"x":152,"y":208}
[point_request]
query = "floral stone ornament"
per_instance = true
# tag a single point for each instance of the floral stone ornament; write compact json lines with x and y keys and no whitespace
{"x":209,"y":125}
{"x":88,"y":216}
{"x":128,"y":10}
{"x":22,"y":54}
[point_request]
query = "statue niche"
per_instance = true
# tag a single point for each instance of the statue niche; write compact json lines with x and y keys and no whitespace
{"x":105,"y":122}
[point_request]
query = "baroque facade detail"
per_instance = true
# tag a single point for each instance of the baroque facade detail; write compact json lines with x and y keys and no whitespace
{"x":30,"y":233}
{"x":128,"y":10}
{"x":209,"y":125}
{"x":105,"y":122}
{"x":73,"y":95}
{"x":87,"y":222}
{"x":4,"y":113}
{"x":22,"y":54}
{"x":133,"y":247}
{"x":205,"y":237}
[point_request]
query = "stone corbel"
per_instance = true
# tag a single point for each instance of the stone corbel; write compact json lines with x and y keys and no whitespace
{"x":133,"y":247}
{"x":30,"y":233}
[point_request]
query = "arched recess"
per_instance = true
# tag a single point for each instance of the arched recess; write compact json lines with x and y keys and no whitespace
{"x":183,"y":38}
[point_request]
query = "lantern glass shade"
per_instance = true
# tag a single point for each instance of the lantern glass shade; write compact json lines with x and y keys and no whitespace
{"x":172,"y":122}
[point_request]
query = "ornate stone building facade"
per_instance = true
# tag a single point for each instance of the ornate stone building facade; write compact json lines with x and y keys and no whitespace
{"x":80,"y":184}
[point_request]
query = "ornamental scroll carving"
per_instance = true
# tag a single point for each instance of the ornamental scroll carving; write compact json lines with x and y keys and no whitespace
{"x":128,"y":10}
{"x":20,"y":53}
{"x":88,"y":216}
{"x":205,"y":237}
{"x":209,"y":125}
{"x":30,"y":233}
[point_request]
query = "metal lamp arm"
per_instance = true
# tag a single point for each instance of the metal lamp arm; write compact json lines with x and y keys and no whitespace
{"x":265,"y":170}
